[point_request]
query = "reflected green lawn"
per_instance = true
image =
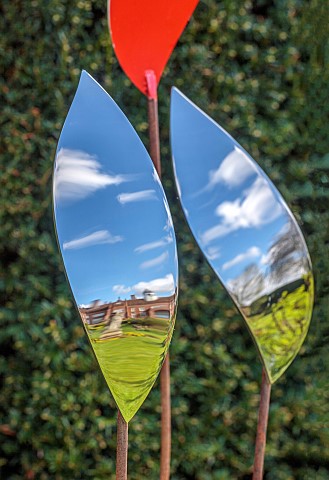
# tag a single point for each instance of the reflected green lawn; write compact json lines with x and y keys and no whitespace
{"x":131,"y":359}
{"x":281,"y":328}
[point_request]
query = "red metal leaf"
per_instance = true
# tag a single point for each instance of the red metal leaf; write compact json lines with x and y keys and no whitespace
{"x":144,"y":33}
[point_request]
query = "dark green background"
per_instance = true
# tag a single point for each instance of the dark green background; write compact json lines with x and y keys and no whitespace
{"x":259,"y":68}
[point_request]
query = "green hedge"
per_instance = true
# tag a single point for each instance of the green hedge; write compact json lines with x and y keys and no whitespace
{"x":260,"y":68}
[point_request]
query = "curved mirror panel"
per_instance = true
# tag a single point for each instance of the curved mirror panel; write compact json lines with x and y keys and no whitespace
{"x":117,"y":241}
{"x":246,"y":232}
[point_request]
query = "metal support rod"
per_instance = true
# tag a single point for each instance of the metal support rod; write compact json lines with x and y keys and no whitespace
{"x":122,"y":448}
{"x":154,"y":146}
{"x":264,"y":405}
{"x":165,"y":420}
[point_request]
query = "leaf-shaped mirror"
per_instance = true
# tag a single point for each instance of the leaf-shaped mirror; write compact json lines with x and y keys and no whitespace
{"x":246,"y":231}
{"x":117,"y":241}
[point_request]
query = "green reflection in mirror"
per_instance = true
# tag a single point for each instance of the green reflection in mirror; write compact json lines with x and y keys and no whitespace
{"x":279,"y":324}
{"x":144,"y":338}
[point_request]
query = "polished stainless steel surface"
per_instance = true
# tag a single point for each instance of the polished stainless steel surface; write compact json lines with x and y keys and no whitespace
{"x":117,"y":241}
{"x":246,"y":232}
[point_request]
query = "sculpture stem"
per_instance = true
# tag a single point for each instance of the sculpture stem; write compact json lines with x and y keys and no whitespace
{"x":122,"y":448}
{"x":264,"y":405}
{"x":154,"y":144}
{"x":165,"y":420}
{"x":154,"y":136}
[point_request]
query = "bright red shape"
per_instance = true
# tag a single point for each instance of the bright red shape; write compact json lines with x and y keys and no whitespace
{"x":144,"y":33}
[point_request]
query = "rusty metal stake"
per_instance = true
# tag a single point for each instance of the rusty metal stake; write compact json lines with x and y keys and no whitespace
{"x":154,"y":144}
{"x":264,"y":405}
{"x":154,"y":133}
{"x":122,"y":448}
{"x":165,"y":420}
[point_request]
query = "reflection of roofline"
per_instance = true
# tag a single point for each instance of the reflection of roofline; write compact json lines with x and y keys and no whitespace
{"x":131,"y":302}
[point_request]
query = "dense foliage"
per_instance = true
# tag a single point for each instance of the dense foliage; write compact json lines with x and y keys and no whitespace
{"x":258,"y":67}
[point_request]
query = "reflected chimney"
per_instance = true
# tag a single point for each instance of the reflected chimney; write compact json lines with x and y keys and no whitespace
{"x":133,"y":297}
{"x":149,"y":296}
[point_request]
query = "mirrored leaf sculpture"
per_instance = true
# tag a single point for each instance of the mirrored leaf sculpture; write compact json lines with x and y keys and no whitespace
{"x":246,"y":231}
{"x":117,"y":242}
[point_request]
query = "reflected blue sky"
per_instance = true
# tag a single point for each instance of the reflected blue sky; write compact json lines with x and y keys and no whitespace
{"x":233,"y":209}
{"x":113,"y":222}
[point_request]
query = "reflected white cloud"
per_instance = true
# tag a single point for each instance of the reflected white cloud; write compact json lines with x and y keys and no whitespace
{"x":252,"y":252}
{"x":124,"y":198}
{"x":165,"y":284}
{"x":257,"y":206}
{"x":96,"y":238}
{"x":266,"y":259}
{"x":158,"y":285}
{"x":153,"y":245}
{"x":213,"y":253}
{"x":78,"y":174}
{"x":155,"y":261}
{"x":233,"y":170}
{"x":121,"y":289}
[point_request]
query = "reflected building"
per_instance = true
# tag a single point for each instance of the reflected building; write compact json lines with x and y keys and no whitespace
{"x":126,"y":329}
{"x":148,"y":306}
